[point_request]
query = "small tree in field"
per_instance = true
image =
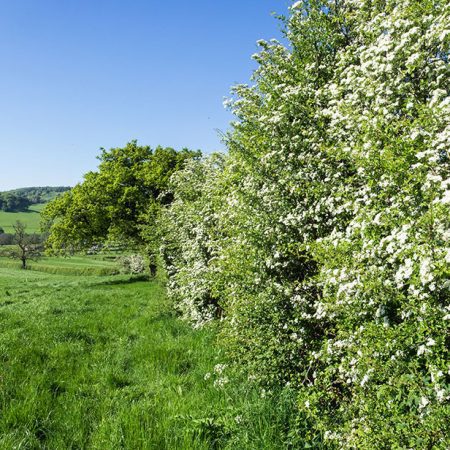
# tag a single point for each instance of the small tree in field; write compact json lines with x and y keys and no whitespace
{"x":28,"y":247}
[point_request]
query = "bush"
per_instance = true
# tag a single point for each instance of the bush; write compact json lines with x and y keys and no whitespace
{"x":6,"y":239}
{"x":133,"y":264}
{"x":325,"y":236}
{"x":188,"y":239}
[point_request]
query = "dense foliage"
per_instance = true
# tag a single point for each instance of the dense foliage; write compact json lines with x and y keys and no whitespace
{"x":11,"y":202}
{"x":40,"y":194}
{"x":322,"y":241}
{"x":120,"y":201}
{"x":188,"y":230}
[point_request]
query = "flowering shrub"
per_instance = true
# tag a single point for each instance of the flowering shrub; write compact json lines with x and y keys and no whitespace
{"x":188,"y":239}
{"x":134,"y":264}
{"x":384,"y":367}
{"x":325,"y":235}
{"x":289,"y":189}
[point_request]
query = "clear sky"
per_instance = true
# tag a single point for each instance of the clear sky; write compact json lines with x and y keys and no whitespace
{"x":77,"y":75}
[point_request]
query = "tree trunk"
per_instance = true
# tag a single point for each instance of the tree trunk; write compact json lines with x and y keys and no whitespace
{"x":152,"y":264}
{"x":152,"y":267}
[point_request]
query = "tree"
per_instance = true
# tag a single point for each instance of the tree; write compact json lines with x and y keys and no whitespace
{"x":28,"y":247}
{"x":13,"y":202}
{"x":120,"y":201}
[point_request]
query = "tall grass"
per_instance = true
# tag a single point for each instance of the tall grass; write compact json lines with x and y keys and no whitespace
{"x":103,"y":363}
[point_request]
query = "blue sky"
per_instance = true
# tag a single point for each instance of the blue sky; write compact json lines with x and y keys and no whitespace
{"x":78,"y":75}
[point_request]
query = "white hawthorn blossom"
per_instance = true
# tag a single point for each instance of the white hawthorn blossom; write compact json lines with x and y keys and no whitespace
{"x":321,"y":241}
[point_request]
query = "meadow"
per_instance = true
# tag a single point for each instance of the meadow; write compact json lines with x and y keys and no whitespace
{"x":102,"y":362}
{"x":30,"y":218}
{"x":304,"y":299}
{"x":75,"y":265}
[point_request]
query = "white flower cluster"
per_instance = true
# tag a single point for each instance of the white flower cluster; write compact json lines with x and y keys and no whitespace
{"x":188,"y":241}
{"x":134,"y":264}
{"x":322,"y":239}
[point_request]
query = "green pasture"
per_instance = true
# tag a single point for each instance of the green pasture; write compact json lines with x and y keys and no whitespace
{"x":30,"y":218}
{"x":74,"y":265}
{"x":102,"y":362}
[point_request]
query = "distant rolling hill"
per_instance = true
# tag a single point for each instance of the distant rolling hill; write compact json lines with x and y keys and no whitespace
{"x":39,"y":196}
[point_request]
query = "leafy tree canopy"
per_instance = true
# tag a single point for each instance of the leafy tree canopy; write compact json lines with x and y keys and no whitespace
{"x":11,"y":202}
{"x":115,"y":201}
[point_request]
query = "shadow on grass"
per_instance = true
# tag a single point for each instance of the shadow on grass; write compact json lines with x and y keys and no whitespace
{"x":131,"y":279}
{"x":23,"y":211}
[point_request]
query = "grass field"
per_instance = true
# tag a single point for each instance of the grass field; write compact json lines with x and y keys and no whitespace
{"x":99,"y":362}
{"x":75,"y":265}
{"x":30,"y":218}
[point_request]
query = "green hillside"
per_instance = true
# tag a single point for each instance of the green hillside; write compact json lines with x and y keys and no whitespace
{"x":25,"y":204}
{"x":39,"y":194}
{"x":31,"y":218}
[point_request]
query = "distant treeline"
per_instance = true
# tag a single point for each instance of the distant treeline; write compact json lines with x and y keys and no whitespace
{"x":20,"y":199}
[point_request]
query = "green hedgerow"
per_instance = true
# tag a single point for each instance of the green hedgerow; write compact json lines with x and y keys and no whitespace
{"x":322,"y":241}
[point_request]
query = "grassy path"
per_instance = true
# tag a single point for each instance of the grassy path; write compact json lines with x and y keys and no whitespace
{"x":102,"y":363}
{"x":96,"y":363}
